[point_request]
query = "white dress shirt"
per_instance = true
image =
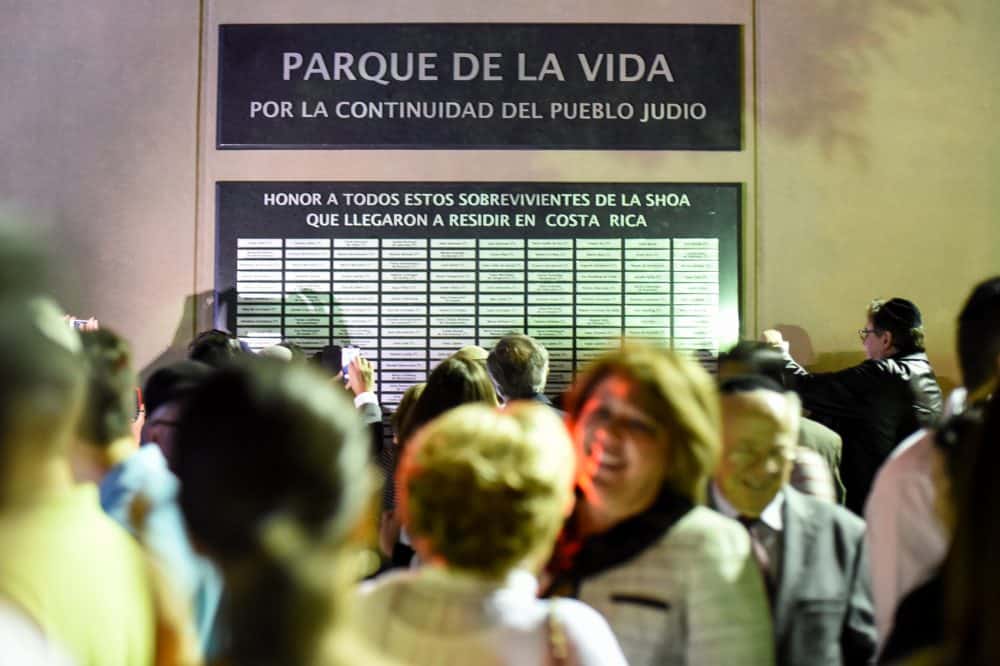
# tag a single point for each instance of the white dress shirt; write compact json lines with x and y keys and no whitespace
{"x":767,"y":530}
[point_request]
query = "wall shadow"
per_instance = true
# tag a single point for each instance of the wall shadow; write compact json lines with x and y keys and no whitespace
{"x":819,"y":91}
{"x":176,"y":349}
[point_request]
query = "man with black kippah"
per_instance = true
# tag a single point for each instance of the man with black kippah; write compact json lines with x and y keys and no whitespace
{"x":877,"y":404}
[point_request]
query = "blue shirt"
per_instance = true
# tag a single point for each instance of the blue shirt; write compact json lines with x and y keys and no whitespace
{"x":145,"y":472}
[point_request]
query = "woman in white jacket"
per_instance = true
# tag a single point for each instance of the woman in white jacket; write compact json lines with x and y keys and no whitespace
{"x":677,"y":582}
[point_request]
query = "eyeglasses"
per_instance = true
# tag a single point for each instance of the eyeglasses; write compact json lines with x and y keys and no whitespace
{"x":863,"y":332}
{"x":744,"y":459}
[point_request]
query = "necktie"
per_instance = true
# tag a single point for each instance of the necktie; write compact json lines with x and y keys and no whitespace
{"x":761,"y":555}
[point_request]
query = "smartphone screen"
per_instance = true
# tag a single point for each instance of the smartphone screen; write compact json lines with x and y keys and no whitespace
{"x":347,"y":354}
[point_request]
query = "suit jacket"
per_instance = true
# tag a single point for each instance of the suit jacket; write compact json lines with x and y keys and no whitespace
{"x":826,"y":442}
{"x":371,"y":415}
{"x":823,"y":612}
{"x":873,"y":406}
{"x":692,"y":598}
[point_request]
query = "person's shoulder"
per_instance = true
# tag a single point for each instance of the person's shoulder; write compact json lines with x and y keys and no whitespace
{"x":704,"y":531}
{"x":911,"y":456}
{"x":704,"y":520}
{"x":573,"y":610}
{"x":888,"y":367}
{"x":826,"y":515}
{"x":904,"y":366}
{"x":588,"y":631}
{"x":385,"y":583}
{"x":373,"y":599}
{"x":815,"y":431}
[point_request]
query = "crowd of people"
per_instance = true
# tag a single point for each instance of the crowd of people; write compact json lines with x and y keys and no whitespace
{"x":259,"y":508}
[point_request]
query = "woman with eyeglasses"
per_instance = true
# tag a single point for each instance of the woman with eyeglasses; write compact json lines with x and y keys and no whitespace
{"x":874,"y":405}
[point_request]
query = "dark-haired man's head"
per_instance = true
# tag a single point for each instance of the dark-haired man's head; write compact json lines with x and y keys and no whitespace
{"x":750,"y":357}
{"x":330,"y":359}
{"x":760,"y":427}
{"x":41,"y":389}
{"x":519,"y":365}
{"x":979,"y":335}
{"x":215,"y":348}
{"x":894,"y":326}
{"x":166,"y":393}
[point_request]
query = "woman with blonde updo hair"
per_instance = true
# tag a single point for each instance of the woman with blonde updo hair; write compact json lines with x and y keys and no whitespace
{"x":483,"y":494}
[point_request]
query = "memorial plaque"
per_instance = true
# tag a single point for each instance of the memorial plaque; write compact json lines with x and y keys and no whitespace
{"x":481,"y":85}
{"x":653,"y":261}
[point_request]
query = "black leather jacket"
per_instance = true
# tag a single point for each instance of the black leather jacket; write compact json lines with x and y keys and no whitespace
{"x":873,"y":406}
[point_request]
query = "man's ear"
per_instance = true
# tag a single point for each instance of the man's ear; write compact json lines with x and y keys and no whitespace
{"x":889,"y":342}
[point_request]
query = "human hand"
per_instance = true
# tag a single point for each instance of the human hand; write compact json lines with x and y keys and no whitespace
{"x":360,"y":375}
{"x":774,"y":338}
{"x":81,"y":324}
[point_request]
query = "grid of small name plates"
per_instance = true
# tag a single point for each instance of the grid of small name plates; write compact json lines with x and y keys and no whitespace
{"x":410,"y":302}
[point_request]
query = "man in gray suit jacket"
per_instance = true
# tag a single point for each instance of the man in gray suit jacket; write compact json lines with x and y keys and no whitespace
{"x":811,"y":552}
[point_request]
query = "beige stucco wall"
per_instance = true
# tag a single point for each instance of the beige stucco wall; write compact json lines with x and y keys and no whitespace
{"x":868,"y":158}
{"x":878,"y":162}
{"x":98,"y":126}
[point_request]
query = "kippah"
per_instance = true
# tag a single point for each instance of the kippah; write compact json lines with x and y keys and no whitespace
{"x":903,"y":311}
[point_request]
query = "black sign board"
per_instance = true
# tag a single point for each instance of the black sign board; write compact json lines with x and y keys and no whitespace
{"x":586,"y":86}
{"x":411,"y":272}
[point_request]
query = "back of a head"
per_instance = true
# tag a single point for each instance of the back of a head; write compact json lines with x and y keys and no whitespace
{"x":329,"y":359}
{"x":902,"y":318}
{"x":215,"y":348}
{"x":455,"y":381}
{"x":43,"y":378}
{"x":24,"y":265}
{"x":405,"y":407}
{"x":751,"y":357}
{"x":973,"y":601}
{"x":472,"y":353}
{"x":274,"y":475}
{"x":298,"y":353}
{"x":173,"y":382}
{"x":109,"y":405}
{"x":979,"y":335}
{"x":263,"y":440}
{"x":747,"y":383}
{"x":488,"y":489}
{"x":678,"y":393}
{"x":519,"y":365}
